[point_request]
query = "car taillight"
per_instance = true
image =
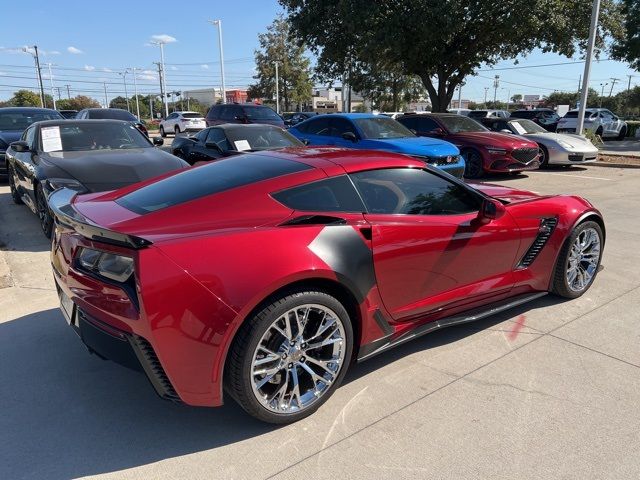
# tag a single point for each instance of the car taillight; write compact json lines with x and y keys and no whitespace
{"x":105,"y":264}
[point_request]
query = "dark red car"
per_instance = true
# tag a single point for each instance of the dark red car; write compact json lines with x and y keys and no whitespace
{"x":484,"y":151}
{"x":265,"y":275}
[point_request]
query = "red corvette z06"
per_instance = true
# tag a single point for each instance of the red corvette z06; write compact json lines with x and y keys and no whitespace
{"x":265,"y":275}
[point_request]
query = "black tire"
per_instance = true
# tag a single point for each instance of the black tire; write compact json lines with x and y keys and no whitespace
{"x":44,"y":214}
{"x":473,"y":164}
{"x":238,"y":381}
{"x":599,"y":132}
{"x":623,"y":133}
{"x":544,"y":156}
{"x":560,"y":284}
{"x":163,"y":134}
{"x":15,"y":196}
{"x":176,"y":131}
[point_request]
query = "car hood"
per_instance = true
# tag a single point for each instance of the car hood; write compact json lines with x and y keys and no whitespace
{"x":111,"y":169}
{"x":510,"y":195}
{"x":9,"y":136}
{"x":494,"y":139}
{"x":574,"y":140}
{"x":416,"y":146}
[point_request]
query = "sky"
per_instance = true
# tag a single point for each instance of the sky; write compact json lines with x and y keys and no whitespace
{"x":88,"y":43}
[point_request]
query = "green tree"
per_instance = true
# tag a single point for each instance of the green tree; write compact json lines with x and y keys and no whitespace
{"x":569,"y":98}
{"x":77,"y":103}
{"x":516,"y":98}
{"x":627,"y":45}
{"x":440,"y":42}
{"x":119,"y":102}
{"x":25,"y":98}
{"x":294,"y":73}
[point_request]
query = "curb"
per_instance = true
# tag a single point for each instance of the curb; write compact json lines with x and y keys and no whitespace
{"x":612,"y":165}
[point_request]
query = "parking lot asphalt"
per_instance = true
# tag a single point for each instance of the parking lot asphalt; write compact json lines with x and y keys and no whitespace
{"x":546,"y":390}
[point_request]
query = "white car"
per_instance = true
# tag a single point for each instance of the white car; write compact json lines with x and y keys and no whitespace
{"x":555,"y":148}
{"x":179,"y":122}
{"x":476,"y":114}
{"x":599,"y":120}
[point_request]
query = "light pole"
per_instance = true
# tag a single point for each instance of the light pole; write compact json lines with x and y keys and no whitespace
{"x":277,"y":90}
{"x":595,"y":11}
{"x":135,"y":91}
{"x":106,"y":100}
{"x":218,"y":23}
{"x":163,"y":80}
{"x":508,"y":96}
{"x":51,"y":82}
{"x":496,"y":84}
{"x":38,"y":72}
{"x":460,"y":94}
{"x":486,"y":89}
{"x":124,"y":81}
{"x":602,"y":94}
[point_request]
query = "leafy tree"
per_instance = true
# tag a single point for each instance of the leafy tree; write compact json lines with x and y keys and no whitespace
{"x":119,"y":102}
{"x":472,"y":106}
{"x":25,"y":98}
{"x":516,"y":98}
{"x":294,"y":74}
{"x":568,"y":98}
{"x":440,"y":42}
{"x":627,"y":47}
{"x":77,"y":103}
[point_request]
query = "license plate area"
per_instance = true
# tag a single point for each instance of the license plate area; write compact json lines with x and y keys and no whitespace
{"x":68,"y":307}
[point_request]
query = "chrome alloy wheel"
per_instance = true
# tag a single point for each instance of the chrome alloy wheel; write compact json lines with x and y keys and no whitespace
{"x":584,"y":258}
{"x":298,"y":358}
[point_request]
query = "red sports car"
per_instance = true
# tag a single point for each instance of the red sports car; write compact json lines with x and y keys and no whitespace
{"x":265,"y":275}
{"x":484,"y":151}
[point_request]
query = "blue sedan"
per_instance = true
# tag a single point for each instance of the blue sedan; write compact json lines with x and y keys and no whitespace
{"x":377,"y":132}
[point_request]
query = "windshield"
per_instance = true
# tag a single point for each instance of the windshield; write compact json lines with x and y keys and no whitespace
{"x":261,"y":139}
{"x":21,"y":120}
{"x":478,"y":114}
{"x":192,"y":115}
{"x":526,"y":126}
{"x":458,"y":123}
{"x":382,"y":127}
{"x":261,"y":113}
{"x":574,"y":114}
{"x":112,"y":114}
{"x":75,"y":137}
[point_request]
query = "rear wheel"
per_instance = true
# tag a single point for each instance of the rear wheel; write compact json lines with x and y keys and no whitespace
{"x":163,"y":134}
{"x":15,"y":195}
{"x":599,"y":132}
{"x":46,"y":220}
{"x":623,"y":133}
{"x":289,"y":358}
{"x":176,"y":130}
{"x":473,"y":167}
{"x":544,"y":156}
{"x":579,"y":260}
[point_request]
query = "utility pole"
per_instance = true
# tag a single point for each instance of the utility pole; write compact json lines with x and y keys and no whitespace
{"x":277,"y":90}
{"x":38,"y":72}
{"x":51,"y":82}
{"x":218,"y":23}
{"x":579,"y":82}
{"x":613,"y":82}
{"x":151,"y":106}
{"x":126,"y":95}
{"x":486,"y":89}
{"x":135,"y":90}
{"x":58,"y":92}
{"x":163,"y":80}
{"x":602,"y":93}
{"x":106,"y":100}
{"x":496,"y":84}
{"x":629,"y":85}
{"x":162,"y":92}
{"x":595,"y":12}
{"x":460,"y":95}
{"x":68,"y":92}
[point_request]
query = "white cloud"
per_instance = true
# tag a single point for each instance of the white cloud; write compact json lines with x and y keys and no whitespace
{"x":53,"y":52}
{"x":204,"y":66}
{"x":89,"y":68}
{"x":146,"y":77}
{"x":174,"y":68}
{"x":149,"y":72}
{"x":2,"y":74}
{"x":107,"y":70}
{"x":163,"y":38}
{"x":74,"y":50}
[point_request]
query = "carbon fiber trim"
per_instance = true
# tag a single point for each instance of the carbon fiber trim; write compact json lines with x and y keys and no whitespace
{"x":547,"y":225}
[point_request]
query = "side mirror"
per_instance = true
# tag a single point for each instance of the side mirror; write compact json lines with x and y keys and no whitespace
{"x":158,"y":141}
{"x":490,"y":210}
{"x":437,"y":132}
{"x":504,"y":130}
{"x":20,"y":146}
{"x":350,"y":136}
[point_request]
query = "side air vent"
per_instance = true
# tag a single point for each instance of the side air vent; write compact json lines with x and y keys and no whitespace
{"x":153,"y":368}
{"x":547,"y":225}
{"x":315,"y":220}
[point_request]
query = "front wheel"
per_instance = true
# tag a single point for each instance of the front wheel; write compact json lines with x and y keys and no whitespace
{"x":473,"y":167}
{"x":15,"y":195}
{"x":163,"y":134}
{"x":623,"y":133}
{"x":46,"y":220}
{"x":176,"y":131}
{"x":579,"y":260}
{"x":289,"y":357}
{"x":544,"y":157}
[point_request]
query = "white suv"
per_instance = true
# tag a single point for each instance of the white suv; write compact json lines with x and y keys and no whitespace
{"x":179,"y":122}
{"x":599,"y":120}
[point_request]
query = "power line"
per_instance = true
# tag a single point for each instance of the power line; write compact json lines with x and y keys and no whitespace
{"x":541,"y":65}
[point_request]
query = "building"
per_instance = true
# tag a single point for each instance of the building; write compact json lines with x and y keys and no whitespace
{"x":236,"y":96}
{"x":331,"y":99}
{"x":206,"y":96}
{"x":463,"y":104}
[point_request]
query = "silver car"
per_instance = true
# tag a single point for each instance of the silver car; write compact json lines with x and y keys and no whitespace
{"x":555,"y":148}
{"x":599,"y":120}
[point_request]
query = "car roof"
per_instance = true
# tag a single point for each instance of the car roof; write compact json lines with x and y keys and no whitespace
{"x":73,"y":121}
{"x":26,"y":109}
{"x":242,"y":126}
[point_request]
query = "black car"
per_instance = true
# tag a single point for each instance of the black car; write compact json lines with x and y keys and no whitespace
{"x":229,"y":139}
{"x":545,"y":117}
{"x":68,"y":113}
{"x":242,"y":113}
{"x":83,"y":155}
{"x":294,"y":118}
{"x":111,"y":114}
{"x":14,"y":121}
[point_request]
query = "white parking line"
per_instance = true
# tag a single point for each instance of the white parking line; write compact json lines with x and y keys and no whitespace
{"x":574,"y":176}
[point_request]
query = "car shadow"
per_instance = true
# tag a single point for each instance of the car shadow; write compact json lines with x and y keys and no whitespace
{"x":68,"y":414}
{"x":20,"y":228}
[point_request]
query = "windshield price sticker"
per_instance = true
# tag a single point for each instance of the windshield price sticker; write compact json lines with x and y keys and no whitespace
{"x":51,"y":141}
{"x":242,"y":145}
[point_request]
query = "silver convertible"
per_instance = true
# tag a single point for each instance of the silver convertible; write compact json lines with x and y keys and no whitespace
{"x":555,"y":148}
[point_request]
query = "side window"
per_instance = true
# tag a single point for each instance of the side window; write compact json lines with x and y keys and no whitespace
{"x":411,"y":191}
{"x":318,"y":127}
{"x":410,"y":122}
{"x":501,"y":125}
{"x":217,"y":136}
{"x":329,"y":195}
{"x":340,"y":126}
{"x":228,"y":112}
{"x":427,"y":125}
{"x":201,"y":135}
{"x":29,"y":136}
{"x":214,"y":112}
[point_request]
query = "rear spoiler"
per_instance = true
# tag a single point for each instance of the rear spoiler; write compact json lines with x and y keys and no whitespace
{"x":61,"y":205}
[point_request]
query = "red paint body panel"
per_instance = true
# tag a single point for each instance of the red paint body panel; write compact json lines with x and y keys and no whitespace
{"x":214,"y":259}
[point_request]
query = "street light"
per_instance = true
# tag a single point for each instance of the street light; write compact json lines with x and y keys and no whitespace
{"x":218,"y":23}
{"x":595,"y":11}
{"x":135,"y":89}
{"x":163,"y":79}
{"x":277,"y":90}
{"x":39,"y":73}
{"x":126,"y":94}
{"x":602,"y":94}
{"x":508,"y":96}
{"x":51,"y":82}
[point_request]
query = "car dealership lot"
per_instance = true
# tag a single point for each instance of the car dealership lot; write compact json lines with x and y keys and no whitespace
{"x":546,"y":390}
